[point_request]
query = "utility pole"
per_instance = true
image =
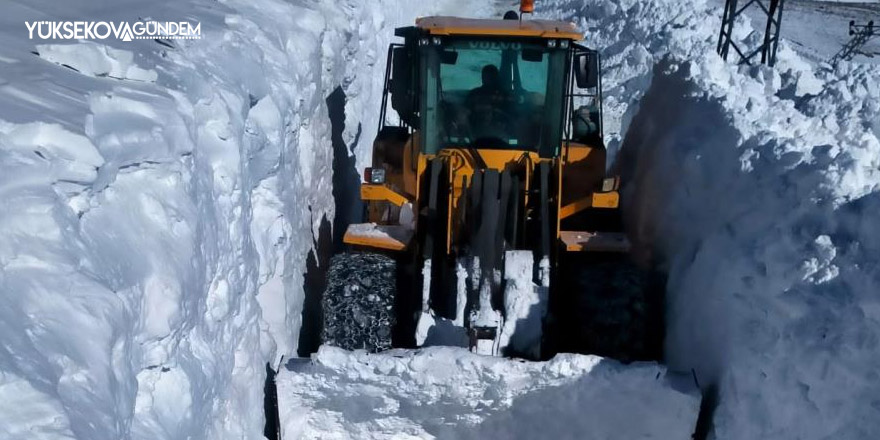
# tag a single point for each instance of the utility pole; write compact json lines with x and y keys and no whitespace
{"x":861,"y":34}
{"x":772,"y":10}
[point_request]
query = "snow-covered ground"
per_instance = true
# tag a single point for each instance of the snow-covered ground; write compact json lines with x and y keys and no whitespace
{"x":160,"y":201}
{"x":450,"y":393}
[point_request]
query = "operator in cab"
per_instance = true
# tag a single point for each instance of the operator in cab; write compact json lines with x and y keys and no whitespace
{"x":489,"y":106}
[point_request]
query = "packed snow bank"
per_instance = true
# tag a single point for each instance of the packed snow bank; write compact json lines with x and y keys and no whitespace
{"x":161,"y":200}
{"x":632,"y":35}
{"x":760,"y":212}
{"x":445,"y":392}
{"x":758,"y":190}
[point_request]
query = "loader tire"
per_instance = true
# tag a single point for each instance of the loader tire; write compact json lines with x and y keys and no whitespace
{"x":358,"y":305}
{"x":618,"y":311}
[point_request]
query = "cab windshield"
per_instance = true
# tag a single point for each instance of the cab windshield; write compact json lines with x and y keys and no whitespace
{"x":493,"y":93}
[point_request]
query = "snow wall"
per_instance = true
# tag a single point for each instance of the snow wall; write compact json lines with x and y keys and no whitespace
{"x":758,"y":190}
{"x":160,"y":202}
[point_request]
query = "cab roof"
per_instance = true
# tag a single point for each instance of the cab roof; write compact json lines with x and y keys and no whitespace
{"x":439,"y":25}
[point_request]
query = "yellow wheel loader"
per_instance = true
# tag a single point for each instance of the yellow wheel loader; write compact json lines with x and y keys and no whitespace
{"x":490,"y":221}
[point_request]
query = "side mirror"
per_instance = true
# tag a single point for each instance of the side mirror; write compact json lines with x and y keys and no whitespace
{"x":586,"y":70}
{"x":402,"y":98}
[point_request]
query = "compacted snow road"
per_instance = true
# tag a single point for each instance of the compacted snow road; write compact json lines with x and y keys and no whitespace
{"x":450,"y":393}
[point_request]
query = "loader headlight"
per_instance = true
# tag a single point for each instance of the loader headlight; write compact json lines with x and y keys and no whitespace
{"x":436,"y":41}
{"x":551,"y":43}
{"x":563,"y":44}
{"x":609,"y":184}
{"x":375,"y":176}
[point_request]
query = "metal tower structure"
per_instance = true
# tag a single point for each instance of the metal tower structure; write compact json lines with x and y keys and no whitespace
{"x":772,"y":9}
{"x":860,"y":34}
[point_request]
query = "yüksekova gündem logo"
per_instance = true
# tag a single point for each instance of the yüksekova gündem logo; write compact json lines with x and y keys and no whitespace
{"x":125,"y":31}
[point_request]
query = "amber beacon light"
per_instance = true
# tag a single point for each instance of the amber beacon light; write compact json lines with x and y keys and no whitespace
{"x":527,"y":6}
